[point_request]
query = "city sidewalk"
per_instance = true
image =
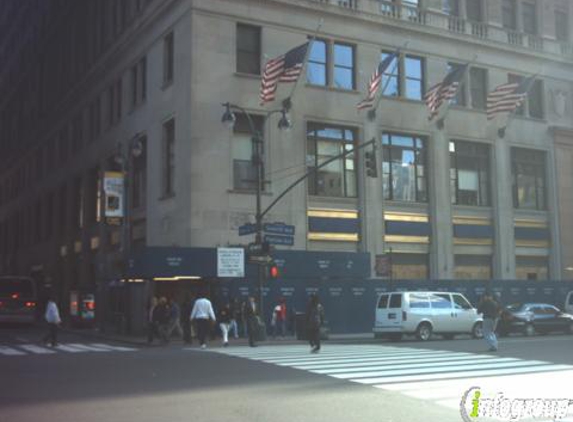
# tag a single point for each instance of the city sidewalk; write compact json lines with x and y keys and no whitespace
{"x":142,"y":340}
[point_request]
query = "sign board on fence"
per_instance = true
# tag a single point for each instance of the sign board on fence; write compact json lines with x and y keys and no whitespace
{"x":113,"y":190}
{"x":383,"y":265}
{"x":279,"y":228}
{"x":230,"y":262}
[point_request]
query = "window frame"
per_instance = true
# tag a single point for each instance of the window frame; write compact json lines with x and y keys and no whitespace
{"x":399,"y":73}
{"x":387,"y":158}
{"x":242,"y":128}
{"x":483,"y":199}
{"x":168,"y":156}
{"x":530,"y":157}
{"x":323,"y":65}
{"x":336,"y":66}
{"x":241,"y":53}
{"x":312,"y":139}
{"x":168,"y":58}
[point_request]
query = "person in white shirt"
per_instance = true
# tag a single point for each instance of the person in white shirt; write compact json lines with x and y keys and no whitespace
{"x":53,"y":319}
{"x":202,"y":314}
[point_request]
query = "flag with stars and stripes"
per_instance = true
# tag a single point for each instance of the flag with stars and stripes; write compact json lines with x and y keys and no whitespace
{"x":508,"y":97}
{"x":375,"y":81}
{"x":445,"y":90}
{"x":285,"y":68}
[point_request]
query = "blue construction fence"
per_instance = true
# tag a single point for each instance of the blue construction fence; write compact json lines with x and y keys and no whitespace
{"x":350,"y":303}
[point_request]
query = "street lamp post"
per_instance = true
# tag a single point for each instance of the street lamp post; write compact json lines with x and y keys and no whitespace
{"x":284,"y":123}
{"x":123,"y":158}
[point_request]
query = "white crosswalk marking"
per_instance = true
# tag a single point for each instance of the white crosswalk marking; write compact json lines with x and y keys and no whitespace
{"x":19,"y":349}
{"x":439,"y":376}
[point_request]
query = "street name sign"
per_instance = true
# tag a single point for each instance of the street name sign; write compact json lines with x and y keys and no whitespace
{"x":246,"y":229}
{"x":279,"y":228}
{"x":279,"y":240}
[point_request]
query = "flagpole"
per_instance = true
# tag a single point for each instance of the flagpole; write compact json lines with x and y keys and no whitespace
{"x":372,"y":113}
{"x":287,"y":102}
{"x":441,"y":120}
{"x":501,"y":131}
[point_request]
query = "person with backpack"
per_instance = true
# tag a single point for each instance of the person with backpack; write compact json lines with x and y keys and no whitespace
{"x":490,"y":310}
{"x":314,"y":320}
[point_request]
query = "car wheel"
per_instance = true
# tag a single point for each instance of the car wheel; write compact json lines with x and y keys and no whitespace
{"x":424,"y":331}
{"x":477,"y":330}
{"x":529,"y":330}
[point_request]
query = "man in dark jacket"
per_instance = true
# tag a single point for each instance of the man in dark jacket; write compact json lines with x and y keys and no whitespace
{"x":252,"y":320}
{"x":490,"y":310}
{"x":314,"y":320}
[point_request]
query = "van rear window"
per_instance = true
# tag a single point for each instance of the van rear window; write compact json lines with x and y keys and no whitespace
{"x":419,"y":301}
{"x":383,"y":302}
{"x":396,"y":301}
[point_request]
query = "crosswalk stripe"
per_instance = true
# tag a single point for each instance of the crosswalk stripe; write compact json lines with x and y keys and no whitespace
{"x":69,"y":348}
{"x":36,"y":349}
{"x":344,"y":358}
{"x":311,"y":361}
{"x":359,"y":367}
{"x":87,"y":348}
{"x":113,"y":348}
{"x":441,"y":369}
{"x":464,"y":374}
{"x":8,"y":351}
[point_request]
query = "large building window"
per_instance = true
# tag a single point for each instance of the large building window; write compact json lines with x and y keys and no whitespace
{"x":461,"y":96}
{"x":508,"y":16}
{"x":168,"y":169}
{"x":528,"y":174}
{"x":138,"y":82}
{"x":337,"y":179}
{"x":404,"y":77}
{"x":316,"y":70}
{"x":531,"y":268}
{"x":562,"y":20}
{"x":244,"y":167}
{"x":469,"y":173}
{"x":478,"y":88}
{"x":331,"y":64}
{"x":404,"y":168}
{"x":533,"y":106}
{"x":168,"y":59}
{"x":409,"y":266}
{"x":248,"y":49}
{"x":529,"y":17}
{"x":343,"y":73}
{"x":474,"y":10}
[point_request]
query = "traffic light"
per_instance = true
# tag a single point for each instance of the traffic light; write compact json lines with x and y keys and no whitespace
{"x":370,"y":163}
{"x":273,"y":270}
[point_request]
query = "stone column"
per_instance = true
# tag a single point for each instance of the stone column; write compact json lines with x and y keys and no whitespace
{"x":441,"y":249}
{"x":504,"y":250}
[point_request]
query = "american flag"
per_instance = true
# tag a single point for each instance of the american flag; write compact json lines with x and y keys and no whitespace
{"x":375,"y":81}
{"x":285,"y":68}
{"x":507,"y":97}
{"x":445,"y":90}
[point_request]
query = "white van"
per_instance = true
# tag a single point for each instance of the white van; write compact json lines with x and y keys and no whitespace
{"x":424,"y":313}
{"x":568,"y":308}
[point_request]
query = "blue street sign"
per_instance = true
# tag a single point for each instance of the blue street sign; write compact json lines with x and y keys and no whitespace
{"x":279,"y":240}
{"x":246,"y":229}
{"x":279,"y":228}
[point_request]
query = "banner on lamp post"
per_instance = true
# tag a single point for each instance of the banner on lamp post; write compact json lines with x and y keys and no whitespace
{"x":113,"y":186}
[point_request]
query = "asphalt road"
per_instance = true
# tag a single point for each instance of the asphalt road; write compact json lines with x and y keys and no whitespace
{"x":94,"y":380}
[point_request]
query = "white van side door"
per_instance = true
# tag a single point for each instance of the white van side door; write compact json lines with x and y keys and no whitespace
{"x":442,"y":312}
{"x":395,"y":307}
{"x":464,"y":314}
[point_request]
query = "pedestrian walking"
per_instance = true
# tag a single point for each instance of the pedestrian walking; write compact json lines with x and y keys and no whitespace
{"x":235,"y":317}
{"x":53,"y":319}
{"x":314,"y":320}
{"x":151,"y":326}
{"x":225,"y":323}
{"x":185,"y":313}
{"x":161,"y":319}
{"x":490,"y":310}
{"x":279,"y":318}
{"x":202,"y":314}
{"x":252,"y":320}
{"x":174,"y":319}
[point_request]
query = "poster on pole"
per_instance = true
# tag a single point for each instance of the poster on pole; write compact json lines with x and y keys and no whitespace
{"x":113,"y":189}
{"x":231,"y":262}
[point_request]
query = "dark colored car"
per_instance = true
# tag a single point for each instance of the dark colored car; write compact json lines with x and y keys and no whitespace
{"x":532,"y":318}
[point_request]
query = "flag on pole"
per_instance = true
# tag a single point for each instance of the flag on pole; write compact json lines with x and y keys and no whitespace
{"x":285,"y":68}
{"x":445,"y":90}
{"x":508,"y":97}
{"x":375,"y":80}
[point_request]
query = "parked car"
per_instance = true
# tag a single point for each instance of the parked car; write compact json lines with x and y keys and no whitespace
{"x":532,"y":318}
{"x":424,"y":313}
{"x":569,"y":303}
